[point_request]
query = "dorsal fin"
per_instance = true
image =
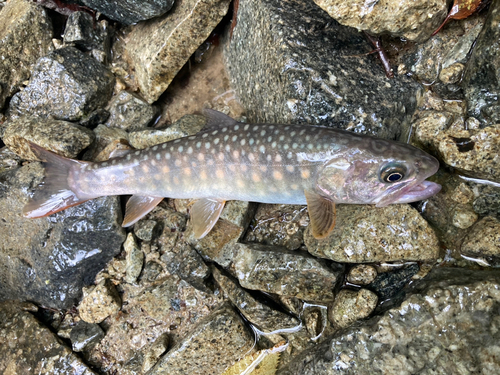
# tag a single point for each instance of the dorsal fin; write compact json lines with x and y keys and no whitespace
{"x":216,"y":119}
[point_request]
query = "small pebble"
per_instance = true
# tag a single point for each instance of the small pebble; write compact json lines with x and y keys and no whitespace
{"x":362,"y":274}
{"x":350,"y":306}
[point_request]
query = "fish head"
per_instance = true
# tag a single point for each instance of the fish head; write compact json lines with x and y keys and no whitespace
{"x":379,"y":172}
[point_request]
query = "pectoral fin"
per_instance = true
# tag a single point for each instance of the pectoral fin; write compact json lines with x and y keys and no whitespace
{"x":137,"y":207}
{"x":204,"y":214}
{"x":321,"y":213}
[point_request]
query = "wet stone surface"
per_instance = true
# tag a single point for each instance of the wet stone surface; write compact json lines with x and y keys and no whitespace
{"x":99,"y":302}
{"x":134,"y":259}
{"x":362,"y":274}
{"x":85,"y":335}
{"x":62,"y":137}
{"x":289,"y":62}
{"x":128,"y":111}
{"x":59,"y":254}
{"x":29,"y":347}
{"x":483,"y":240}
{"x":389,"y":284}
{"x":153,"y":46}
{"x":350,"y":306}
{"x":421,"y":334}
{"x":366,"y":234}
{"x":22,"y":23}
{"x":261,"y":267}
{"x":66,"y":84}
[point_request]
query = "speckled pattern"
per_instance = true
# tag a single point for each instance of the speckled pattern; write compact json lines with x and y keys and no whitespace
{"x":22,"y":23}
{"x":215,"y":344}
{"x":483,"y":240}
{"x":66,"y":84}
{"x":290,"y":62}
{"x":65,"y":138}
{"x":366,"y":234}
{"x":411,"y":19}
{"x":159,"y":48}
{"x":30,"y":348}
{"x":450,"y":326}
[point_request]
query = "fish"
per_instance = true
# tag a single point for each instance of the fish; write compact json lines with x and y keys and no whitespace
{"x":227,"y":160}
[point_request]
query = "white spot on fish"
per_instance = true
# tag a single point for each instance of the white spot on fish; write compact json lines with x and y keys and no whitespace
{"x":235,"y":137}
{"x":290,"y":168}
{"x":137,"y":153}
{"x":153,"y":163}
{"x":285,"y":146}
{"x":204,"y":135}
{"x":236,"y":154}
{"x":207,"y":145}
{"x":129,"y":156}
{"x":269,"y":139}
{"x":286,"y":128}
{"x":255,"y":128}
{"x":215,"y":132}
{"x":146,"y":157}
{"x":271,"y":127}
{"x":308,"y":138}
{"x":310,"y":146}
{"x":262,"y":133}
{"x":251,"y":157}
{"x":177,"y":141}
{"x":226,"y":137}
{"x":302,"y":132}
{"x":190,"y":150}
{"x":227,"y":148}
{"x":164,"y":146}
{"x":269,"y":158}
{"x":192,"y":137}
{"x":155,"y":148}
{"x":282,"y":138}
{"x":242,"y":142}
{"x":216,"y":141}
{"x":221,"y":156}
{"x":236,"y":127}
{"x":277,"y":175}
{"x":251,"y":141}
{"x":224,"y":129}
{"x":295,"y":145}
{"x":292,"y":134}
{"x":201,"y":157}
{"x":158,"y":156}
{"x":289,"y":155}
{"x":273,"y":145}
{"x":262,"y":149}
{"x":198,"y":144}
{"x":180,"y":149}
{"x":278,"y":158}
{"x":246,"y":127}
{"x":167,"y":155}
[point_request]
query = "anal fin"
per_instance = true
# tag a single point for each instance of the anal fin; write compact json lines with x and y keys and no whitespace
{"x":321,"y":213}
{"x":204,"y":214}
{"x":137,"y":207}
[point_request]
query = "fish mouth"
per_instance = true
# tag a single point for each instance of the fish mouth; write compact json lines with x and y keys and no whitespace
{"x":412,"y":193}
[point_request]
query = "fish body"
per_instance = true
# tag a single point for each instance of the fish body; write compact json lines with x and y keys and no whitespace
{"x":267,"y":163}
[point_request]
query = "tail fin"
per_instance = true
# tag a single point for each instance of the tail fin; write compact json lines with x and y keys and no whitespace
{"x":54,"y":193}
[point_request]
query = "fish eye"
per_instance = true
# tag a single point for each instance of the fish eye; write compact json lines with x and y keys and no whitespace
{"x":392,"y":174}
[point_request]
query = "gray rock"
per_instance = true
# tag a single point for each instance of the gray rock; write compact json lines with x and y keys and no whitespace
{"x":187,"y":125}
{"x":279,"y":225}
{"x":159,"y":48}
{"x":366,"y":234}
{"x":129,"y":112}
{"x":451,"y":74}
{"x":262,"y":316}
{"x":483,"y":240}
{"x":151,"y":271}
{"x":448,"y":325}
{"x":105,"y":138}
{"x":412,"y":20}
{"x":99,"y":302}
{"x":8,"y":160}
{"x":482,"y":72}
{"x":66,"y":84}
{"x":59,"y":254}
{"x":472,"y":151}
{"x":185,"y":262}
{"x":289,"y":62}
{"x":464,"y":217}
{"x":62,"y":137}
{"x":85,"y":335}
{"x":428,"y":126}
{"x":274,"y":270}
{"x":134,"y":259}
{"x":217,"y":342}
{"x":88,"y":34}
{"x":147,"y":358}
{"x":219,"y":244}
{"x":362,"y":274}
{"x":130,"y":11}
{"x":23,"y":24}
{"x":146,"y":230}
{"x":350,"y":306}
{"x":28,"y":347}
{"x":488,"y":200}
{"x":460,"y":51}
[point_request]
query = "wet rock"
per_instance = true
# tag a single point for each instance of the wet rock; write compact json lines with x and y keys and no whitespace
{"x":448,"y":325}
{"x":66,"y":84}
{"x":88,"y":34}
{"x":263,"y":317}
{"x":62,"y":137}
{"x":23,"y":24}
{"x":473,"y":152}
{"x":151,"y":271}
{"x":146,"y":229}
{"x":59,"y":254}
{"x":483,"y":241}
{"x":315,"y":320}
{"x":219,"y":244}
{"x":185,"y":262}
{"x":412,"y":20}
{"x":451,"y":74}
{"x":85,"y":335}
{"x":99,"y":302}
{"x":274,"y":270}
{"x":290,"y":63}
{"x":350,"y":306}
{"x":159,"y":48}
{"x":28,"y":347}
{"x":134,"y":259}
{"x":362,"y":274}
{"x":388,"y":284}
{"x":170,"y":306}
{"x":8,"y":160}
{"x":99,"y":116}
{"x":279,"y":224}
{"x":366,"y":234}
{"x":129,"y":112}
{"x":148,"y":357}
{"x":488,"y":201}
{"x":185,"y":126}
{"x":216,"y":343}
{"x":130,"y":11}
{"x":464,"y":217}
{"x":481,"y":77}
{"x":105,"y":138}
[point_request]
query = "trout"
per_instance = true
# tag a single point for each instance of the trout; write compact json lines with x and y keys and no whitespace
{"x":228,"y":160}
